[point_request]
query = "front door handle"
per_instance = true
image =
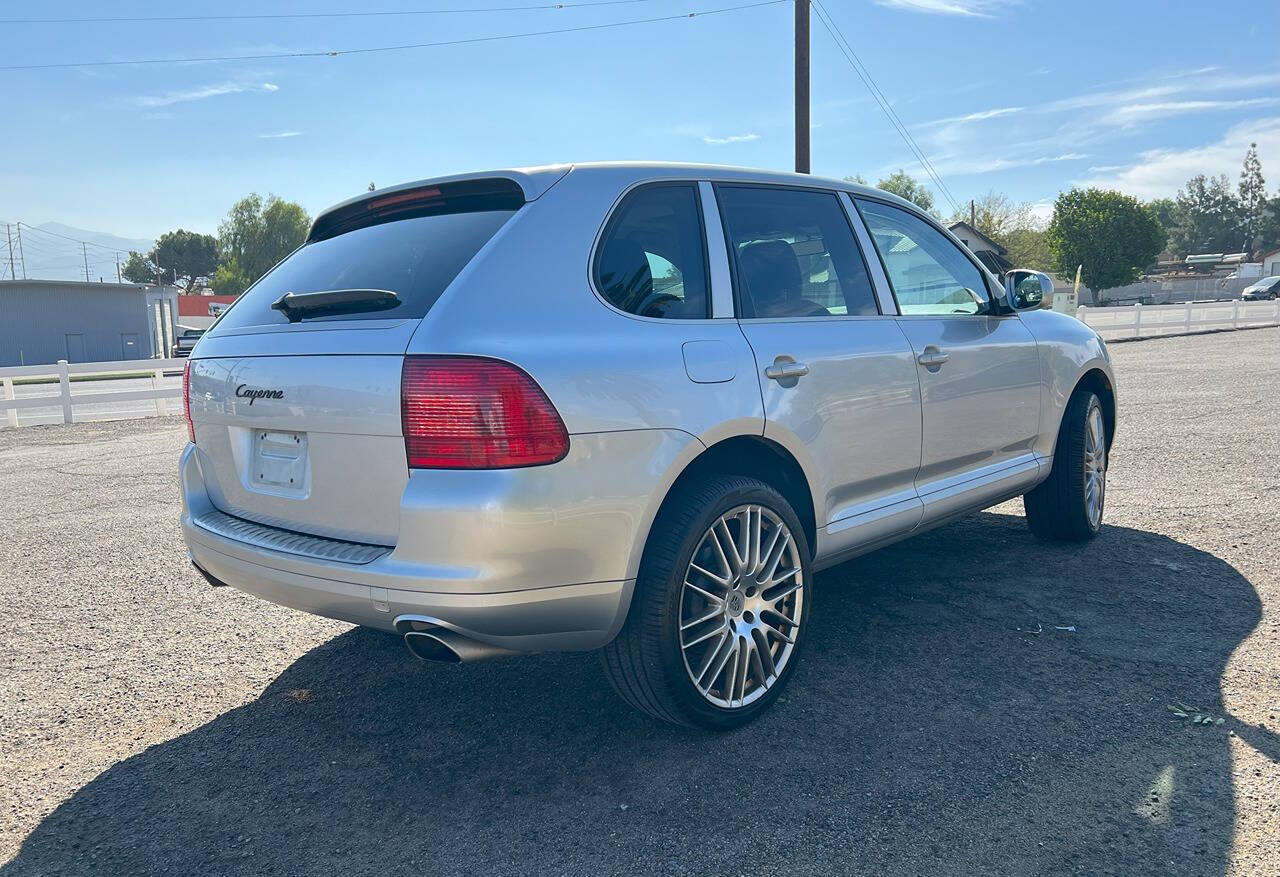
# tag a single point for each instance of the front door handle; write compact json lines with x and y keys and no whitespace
{"x":784,"y":369}
{"x":932,"y":357}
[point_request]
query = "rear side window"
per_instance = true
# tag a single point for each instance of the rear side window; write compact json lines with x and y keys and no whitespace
{"x":795,"y":254}
{"x":652,"y":260}
{"x":415,"y":257}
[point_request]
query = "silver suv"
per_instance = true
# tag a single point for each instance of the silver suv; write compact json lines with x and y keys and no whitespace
{"x":627,"y":407}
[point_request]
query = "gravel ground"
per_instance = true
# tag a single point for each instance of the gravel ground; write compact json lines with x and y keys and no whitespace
{"x":971,"y":701}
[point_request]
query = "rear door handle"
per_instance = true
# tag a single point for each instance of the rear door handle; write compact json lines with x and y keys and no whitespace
{"x":932,"y":357}
{"x":783,"y":369}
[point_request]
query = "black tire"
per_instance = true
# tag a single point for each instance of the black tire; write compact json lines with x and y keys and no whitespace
{"x":1057,"y":508}
{"x":645,"y":663}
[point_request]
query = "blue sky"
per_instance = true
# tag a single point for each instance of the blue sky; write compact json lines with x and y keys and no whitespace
{"x":1024,"y":97}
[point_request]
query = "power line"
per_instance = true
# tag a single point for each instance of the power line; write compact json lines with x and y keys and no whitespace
{"x":333,"y":53}
{"x":64,"y":237}
{"x":288,"y":15}
{"x":846,"y":48}
{"x":886,"y":107}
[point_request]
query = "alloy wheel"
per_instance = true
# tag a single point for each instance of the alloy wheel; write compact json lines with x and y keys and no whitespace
{"x":1095,"y":467}
{"x":741,"y":606}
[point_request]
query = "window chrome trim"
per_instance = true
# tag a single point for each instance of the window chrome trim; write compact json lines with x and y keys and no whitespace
{"x":875,"y":267}
{"x":717,"y":254}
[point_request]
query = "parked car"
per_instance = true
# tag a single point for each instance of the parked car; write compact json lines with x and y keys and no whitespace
{"x":625,"y":407}
{"x":186,"y":341}
{"x":1265,"y":289}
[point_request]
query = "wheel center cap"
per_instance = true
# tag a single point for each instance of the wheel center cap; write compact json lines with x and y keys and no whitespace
{"x":735,"y":603}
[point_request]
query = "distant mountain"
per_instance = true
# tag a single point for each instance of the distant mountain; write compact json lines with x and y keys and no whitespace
{"x":102,"y":238}
{"x":53,"y":251}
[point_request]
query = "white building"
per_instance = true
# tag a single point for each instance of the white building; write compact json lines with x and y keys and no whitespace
{"x":1271,"y":263}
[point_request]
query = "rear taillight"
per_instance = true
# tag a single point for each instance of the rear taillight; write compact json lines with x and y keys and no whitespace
{"x":473,"y":413}
{"x":186,"y":400}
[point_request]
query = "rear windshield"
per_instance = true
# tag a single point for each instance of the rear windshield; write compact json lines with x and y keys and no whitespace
{"x":416,"y":258}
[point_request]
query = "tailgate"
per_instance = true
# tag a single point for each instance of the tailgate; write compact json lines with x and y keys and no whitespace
{"x":305,"y":443}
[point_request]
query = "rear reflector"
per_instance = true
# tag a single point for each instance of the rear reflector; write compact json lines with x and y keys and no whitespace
{"x":474,"y":413}
{"x":186,"y":400}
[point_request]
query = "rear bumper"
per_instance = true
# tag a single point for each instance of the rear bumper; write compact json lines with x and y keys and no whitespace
{"x":530,"y":560}
{"x":568,"y":617}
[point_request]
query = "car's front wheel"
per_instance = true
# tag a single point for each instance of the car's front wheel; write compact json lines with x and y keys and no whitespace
{"x":1068,"y":505}
{"x":719,"y":608}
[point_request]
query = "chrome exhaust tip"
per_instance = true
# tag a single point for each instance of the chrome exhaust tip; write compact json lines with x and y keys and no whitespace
{"x":448,"y":647}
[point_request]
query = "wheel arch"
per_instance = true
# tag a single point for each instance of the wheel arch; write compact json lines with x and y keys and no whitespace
{"x":1098,"y":382}
{"x":749,"y":455}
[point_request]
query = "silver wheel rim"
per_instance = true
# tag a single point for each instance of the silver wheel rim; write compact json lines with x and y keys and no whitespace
{"x":1095,"y":467}
{"x":740,"y":606}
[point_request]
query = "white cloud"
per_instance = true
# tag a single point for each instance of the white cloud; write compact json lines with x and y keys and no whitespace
{"x":1159,"y":173}
{"x":1134,"y":114}
{"x":1196,"y":82}
{"x":732,"y":138}
{"x":975,"y":117}
{"x":967,"y":165}
{"x":967,"y":8}
{"x":280,"y":136}
{"x":202,"y":92}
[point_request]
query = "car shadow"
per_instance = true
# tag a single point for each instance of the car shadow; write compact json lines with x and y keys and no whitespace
{"x":970,"y":701}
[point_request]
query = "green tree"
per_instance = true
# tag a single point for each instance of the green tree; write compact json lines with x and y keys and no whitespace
{"x":1206,"y":217}
{"x":138,"y":268}
{"x":1253,"y":196}
{"x":1029,"y":248}
{"x":1111,"y":235}
{"x":996,"y":215}
{"x":185,"y":256}
{"x":256,"y":234}
{"x":1165,"y":210}
{"x":180,"y":257}
{"x":1268,"y":231}
{"x":905,"y":186}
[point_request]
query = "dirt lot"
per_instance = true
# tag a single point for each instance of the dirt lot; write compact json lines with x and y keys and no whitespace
{"x":971,"y":700}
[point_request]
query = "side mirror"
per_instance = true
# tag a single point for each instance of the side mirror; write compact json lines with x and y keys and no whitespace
{"x":1027,"y":290}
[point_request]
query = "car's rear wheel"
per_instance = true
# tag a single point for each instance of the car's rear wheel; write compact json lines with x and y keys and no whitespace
{"x":719,"y":608}
{"x":1069,"y":504}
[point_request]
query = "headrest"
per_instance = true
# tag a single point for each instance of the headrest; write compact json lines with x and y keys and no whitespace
{"x":770,"y":272}
{"x":625,"y":275}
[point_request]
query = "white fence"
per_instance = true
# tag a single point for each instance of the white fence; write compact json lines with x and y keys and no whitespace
{"x":66,"y":399}
{"x":1150,"y":321}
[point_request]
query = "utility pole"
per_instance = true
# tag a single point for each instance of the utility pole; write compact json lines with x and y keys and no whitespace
{"x":21,"y":255}
{"x":119,"y":279}
{"x":973,"y":214}
{"x":12,"y":273}
{"x":85,"y":252}
{"x":802,"y":86}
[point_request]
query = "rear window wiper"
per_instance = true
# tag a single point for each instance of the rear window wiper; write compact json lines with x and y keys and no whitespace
{"x":299,"y":305}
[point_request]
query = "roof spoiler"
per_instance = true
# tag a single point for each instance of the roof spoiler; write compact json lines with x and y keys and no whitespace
{"x":506,"y":189}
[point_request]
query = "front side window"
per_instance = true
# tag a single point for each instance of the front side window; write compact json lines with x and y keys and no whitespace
{"x":795,"y":254}
{"x":929,"y":274}
{"x":652,"y":260}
